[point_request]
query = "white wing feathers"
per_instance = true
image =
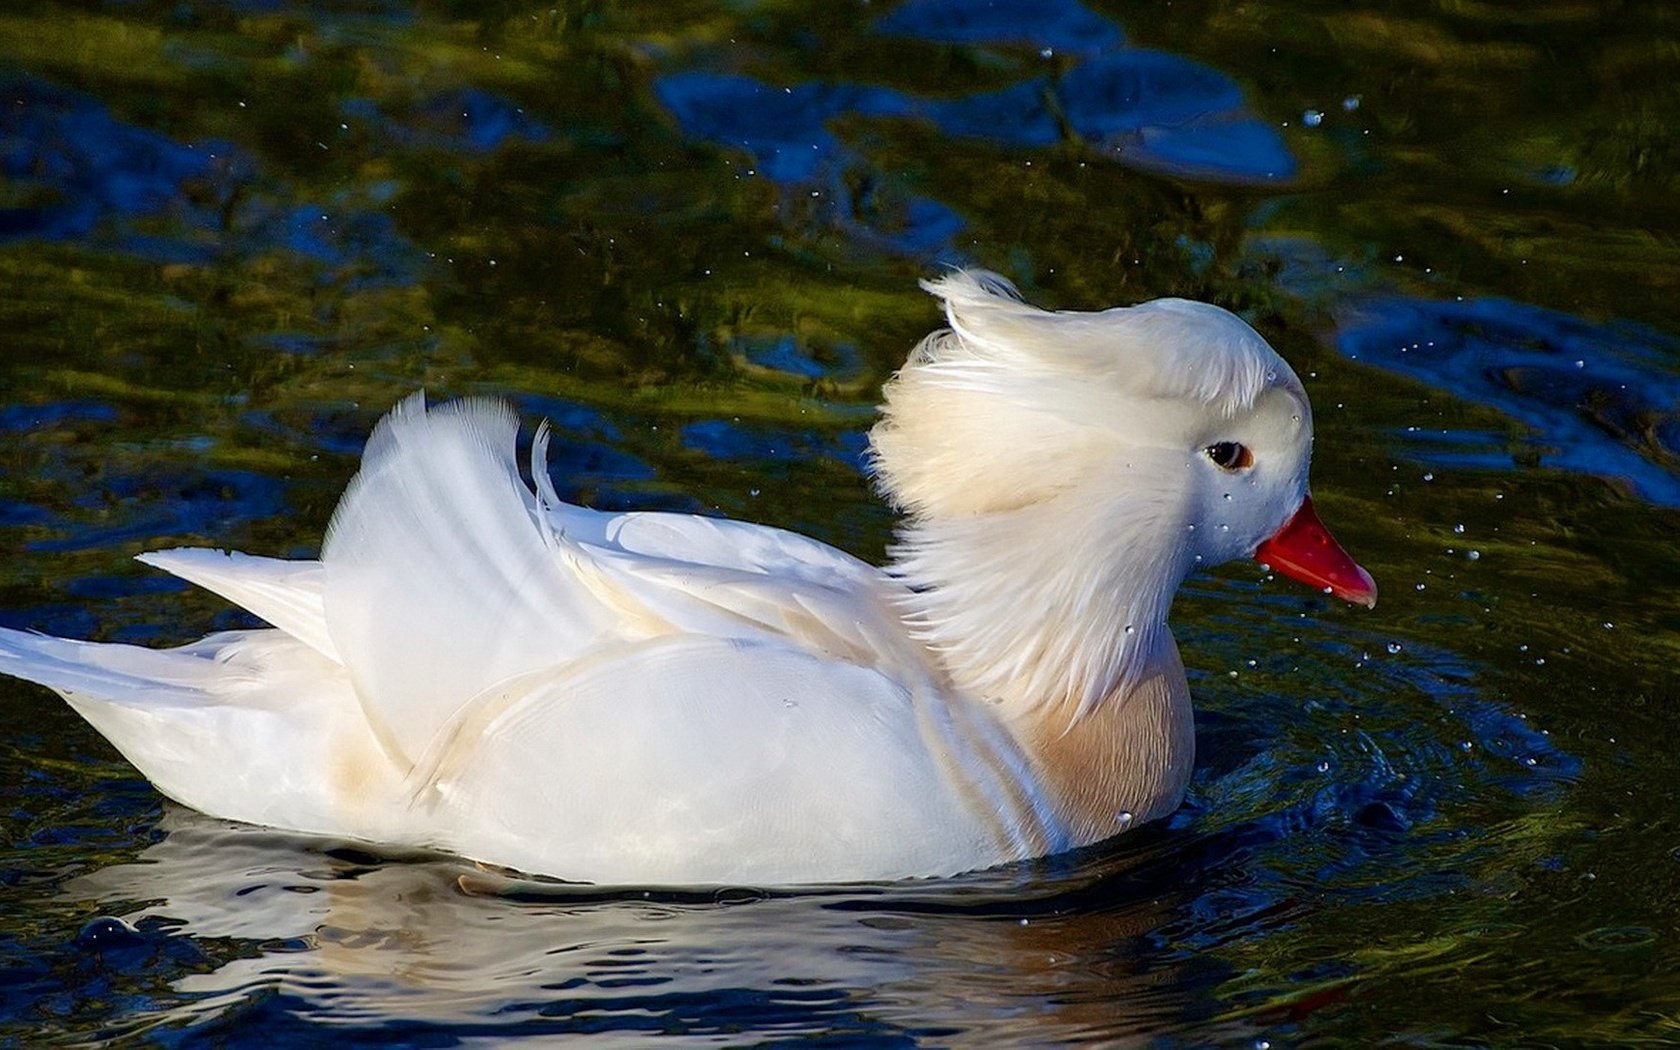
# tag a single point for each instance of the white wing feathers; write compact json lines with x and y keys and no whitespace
{"x":288,"y":594}
{"x":121,"y":673}
{"x":445,"y":576}
{"x":827,"y":618}
{"x":441,"y":578}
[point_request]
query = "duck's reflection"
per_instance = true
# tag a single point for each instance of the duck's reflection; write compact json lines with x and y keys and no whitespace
{"x":1038,"y":953}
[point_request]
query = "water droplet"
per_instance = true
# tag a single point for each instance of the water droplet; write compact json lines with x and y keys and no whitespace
{"x":1130,"y":628}
{"x":1312,"y":118}
{"x":1459,"y":529}
{"x":1227,"y":496}
{"x":1393,"y":647}
{"x":1429,"y":477}
{"x":1123,"y":819}
{"x":1465,"y":745}
{"x":1224,"y":528}
{"x":1473,"y":555}
{"x":1323,"y":766}
{"x":1350,"y":103}
{"x":1191,"y":527}
{"x":1420,"y":586}
{"x":1608,"y":626}
{"x":753,"y":493}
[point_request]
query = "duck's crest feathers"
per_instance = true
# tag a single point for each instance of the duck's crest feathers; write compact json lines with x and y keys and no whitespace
{"x":1171,"y":349}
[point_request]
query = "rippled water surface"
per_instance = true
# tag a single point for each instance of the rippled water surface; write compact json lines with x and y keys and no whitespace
{"x":233,"y":233}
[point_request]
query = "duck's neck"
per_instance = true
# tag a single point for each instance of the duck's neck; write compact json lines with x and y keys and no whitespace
{"x":1125,"y":762}
{"x":1054,"y":607}
{"x":1056,"y":613}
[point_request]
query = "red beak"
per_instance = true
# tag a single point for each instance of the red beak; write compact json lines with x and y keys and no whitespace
{"x":1304,"y":550}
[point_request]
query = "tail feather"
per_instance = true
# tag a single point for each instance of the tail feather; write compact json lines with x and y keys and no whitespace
{"x":123,"y":674}
{"x":245,"y":725}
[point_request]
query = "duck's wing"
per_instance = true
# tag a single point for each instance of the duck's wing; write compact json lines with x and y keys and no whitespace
{"x":441,"y":575}
{"x":721,"y":577}
{"x":691,"y":539}
{"x":736,"y":579}
{"x":445,"y":574}
{"x":438,"y":577}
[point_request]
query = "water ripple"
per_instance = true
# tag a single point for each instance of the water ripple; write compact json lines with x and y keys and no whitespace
{"x":1602,"y":398}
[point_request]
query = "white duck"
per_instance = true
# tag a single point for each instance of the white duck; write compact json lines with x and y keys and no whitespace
{"x":664,"y":698}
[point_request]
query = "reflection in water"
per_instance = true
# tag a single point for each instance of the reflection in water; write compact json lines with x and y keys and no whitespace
{"x":784,"y":130}
{"x":725,"y":440}
{"x":201,"y":502}
{"x":1146,"y":109}
{"x":467,"y":120}
{"x":786,"y":354}
{"x":1062,"y":26}
{"x":1150,"y":109}
{"x":88,"y":176}
{"x":79,"y":168}
{"x":394,"y":945}
{"x":1602,"y":399}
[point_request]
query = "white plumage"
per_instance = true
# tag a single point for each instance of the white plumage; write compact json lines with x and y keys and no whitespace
{"x":648,"y":697}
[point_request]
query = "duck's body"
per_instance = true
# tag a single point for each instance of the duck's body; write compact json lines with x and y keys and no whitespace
{"x":649,"y":697}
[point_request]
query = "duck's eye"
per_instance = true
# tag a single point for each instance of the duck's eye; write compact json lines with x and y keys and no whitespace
{"x":1229,"y":455}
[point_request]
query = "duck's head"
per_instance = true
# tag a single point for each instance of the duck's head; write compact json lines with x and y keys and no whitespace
{"x":1171,"y":430}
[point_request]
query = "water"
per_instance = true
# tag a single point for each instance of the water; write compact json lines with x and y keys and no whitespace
{"x":231,"y":235}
